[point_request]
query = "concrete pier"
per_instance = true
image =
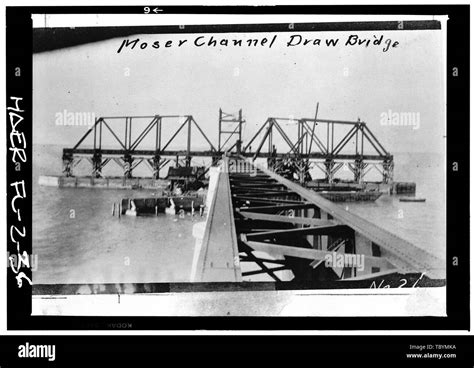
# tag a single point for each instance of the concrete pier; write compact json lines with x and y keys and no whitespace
{"x":105,"y":183}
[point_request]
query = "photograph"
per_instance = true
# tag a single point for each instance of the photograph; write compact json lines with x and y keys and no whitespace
{"x":254,"y":168}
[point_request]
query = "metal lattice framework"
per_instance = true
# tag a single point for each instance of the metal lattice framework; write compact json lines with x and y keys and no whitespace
{"x":278,"y":230}
{"x":307,"y":151}
{"x":234,"y":125}
{"x":299,"y":228}
{"x":128,"y":153}
{"x":324,"y":153}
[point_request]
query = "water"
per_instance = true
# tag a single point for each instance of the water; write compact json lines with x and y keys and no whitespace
{"x":421,"y":223}
{"x":78,"y":241}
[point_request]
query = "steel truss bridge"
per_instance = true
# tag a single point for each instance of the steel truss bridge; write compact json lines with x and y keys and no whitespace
{"x":308,"y":150}
{"x":258,"y":217}
{"x":262,"y":218}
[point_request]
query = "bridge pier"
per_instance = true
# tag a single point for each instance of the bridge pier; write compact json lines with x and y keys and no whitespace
{"x":127,"y":167}
{"x":97,"y":165}
{"x":68,"y":164}
{"x":329,"y":165}
{"x":388,"y":167}
{"x":156,"y":166}
{"x":358,"y":170}
{"x":271,"y":161}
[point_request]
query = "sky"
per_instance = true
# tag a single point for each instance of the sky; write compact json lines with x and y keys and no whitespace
{"x":348,"y":82}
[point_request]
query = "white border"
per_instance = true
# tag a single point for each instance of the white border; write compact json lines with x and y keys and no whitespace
{"x":190,"y":2}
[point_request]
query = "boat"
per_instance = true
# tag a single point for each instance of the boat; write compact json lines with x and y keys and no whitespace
{"x":344,"y":196}
{"x":410,"y":199}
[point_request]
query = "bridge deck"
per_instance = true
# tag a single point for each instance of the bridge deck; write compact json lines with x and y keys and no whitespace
{"x":219,"y":256}
{"x":401,"y":253}
{"x":89,"y":152}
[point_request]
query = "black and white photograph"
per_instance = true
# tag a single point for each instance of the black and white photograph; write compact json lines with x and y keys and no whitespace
{"x":263,"y":166}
